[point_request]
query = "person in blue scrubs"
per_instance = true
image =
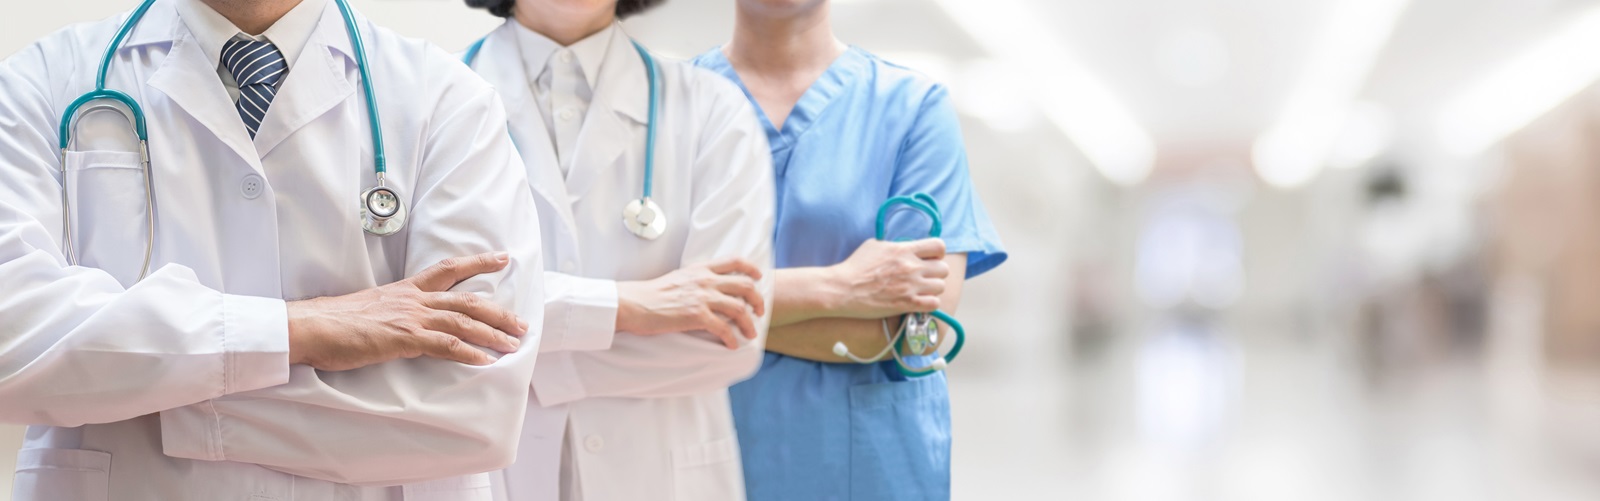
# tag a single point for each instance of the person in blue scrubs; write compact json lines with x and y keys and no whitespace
{"x":848,"y":131}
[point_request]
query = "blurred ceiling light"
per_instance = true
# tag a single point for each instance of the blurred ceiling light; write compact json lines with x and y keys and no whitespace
{"x":986,"y":89}
{"x":1194,"y":57}
{"x":1512,"y":96}
{"x":1367,"y":133}
{"x":1065,"y":91}
{"x":1293,"y":150}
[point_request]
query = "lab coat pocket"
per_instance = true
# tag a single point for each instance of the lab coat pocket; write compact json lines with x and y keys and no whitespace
{"x":463,"y":488}
{"x":51,"y":474}
{"x":708,"y":471}
{"x":106,"y":192}
{"x":900,"y":440}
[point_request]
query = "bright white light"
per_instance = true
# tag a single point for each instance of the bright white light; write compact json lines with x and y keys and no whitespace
{"x":1367,"y":133}
{"x":1522,"y":90}
{"x":1194,"y":57}
{"x":1291,"y":152}
{"x":1066,"y":92}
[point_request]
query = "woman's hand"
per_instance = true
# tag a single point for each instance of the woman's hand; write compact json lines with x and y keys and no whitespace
{"x":703,"y":297}
{"x":884,"y":279}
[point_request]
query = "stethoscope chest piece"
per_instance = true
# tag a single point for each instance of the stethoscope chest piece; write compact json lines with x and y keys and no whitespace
{"x":922,"y":332}
{"x":382,"y":211}
{"x":644,"y":218}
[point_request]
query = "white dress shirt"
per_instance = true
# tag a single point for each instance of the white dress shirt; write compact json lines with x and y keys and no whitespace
{"x":290,"y":34}
{"x":563,"y":83}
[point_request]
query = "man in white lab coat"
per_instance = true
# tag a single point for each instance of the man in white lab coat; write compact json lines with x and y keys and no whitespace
{"x":642,"y":336}
{"x":214,"y":377}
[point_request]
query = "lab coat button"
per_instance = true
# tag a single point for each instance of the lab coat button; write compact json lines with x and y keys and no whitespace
{"x":567,"y":114}
{"x":594,"y":443}
{"x":251,"y":186}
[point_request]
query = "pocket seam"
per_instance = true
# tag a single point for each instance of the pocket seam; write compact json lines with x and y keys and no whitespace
{"x":709,"y":453}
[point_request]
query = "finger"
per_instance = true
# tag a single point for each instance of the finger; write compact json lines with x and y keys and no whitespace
{"x":736,"y":265}
{"x":746,"y":289}
{"x":937,"y":269}
{"x":924,"y":304}
{"x":928,"y":248}
{"x":720,"y":328}
{"x":930,"y":287}
{"x":472,"y":331}
{"x":447,"y":347}
{"x":734,"y":310}
{"x":441,"y":277}
{"x":479,"y":309}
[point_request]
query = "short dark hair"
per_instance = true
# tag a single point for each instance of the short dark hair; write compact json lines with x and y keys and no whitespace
{"x":625,"y":8}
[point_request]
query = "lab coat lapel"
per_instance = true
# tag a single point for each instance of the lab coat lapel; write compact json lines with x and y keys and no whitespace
{"x":188,"y":78}
{"x":500,"y":63}
{"x":616,"y":120}
{"x":316,"y":84}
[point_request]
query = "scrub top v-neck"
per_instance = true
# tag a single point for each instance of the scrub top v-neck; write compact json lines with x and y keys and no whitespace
{"x":865,"y":131}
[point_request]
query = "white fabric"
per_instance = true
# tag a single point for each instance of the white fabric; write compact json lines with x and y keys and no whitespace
{"x":178,"y":386}
{"x":290,"y":34}
{"x":643,"y":417}
{"x":563,"y":83}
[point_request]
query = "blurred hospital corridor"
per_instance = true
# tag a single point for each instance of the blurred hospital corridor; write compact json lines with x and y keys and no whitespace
{"x":1260,"y":250}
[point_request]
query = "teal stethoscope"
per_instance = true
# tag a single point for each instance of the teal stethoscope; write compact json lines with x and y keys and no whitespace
{"x":919,"y":331}
{"x":382,"y":211}
{"x":642,"y":216}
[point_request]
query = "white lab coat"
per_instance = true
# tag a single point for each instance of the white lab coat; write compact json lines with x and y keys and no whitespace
{"x":177,"y":387}
{"x":648,"y":415}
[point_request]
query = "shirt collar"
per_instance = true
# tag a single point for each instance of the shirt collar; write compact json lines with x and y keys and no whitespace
{"x":290,"y":34}
{"x":537,"y":50}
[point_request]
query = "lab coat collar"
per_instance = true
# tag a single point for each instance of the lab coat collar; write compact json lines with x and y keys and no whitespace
{"x":312,"y":88}
{"x":290,"y":34}
{"x":163,"y":24}
{"x":499,"y":62}
{"x":617,"y":117}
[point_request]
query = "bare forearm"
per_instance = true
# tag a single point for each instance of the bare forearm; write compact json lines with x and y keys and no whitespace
{"x":804,"y":294}
{"x":814,"y":339}
{"x":810,"y":331}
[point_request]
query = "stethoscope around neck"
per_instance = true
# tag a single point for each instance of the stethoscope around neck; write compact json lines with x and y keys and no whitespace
{"x":641,"y":216}
{"x":383,"y":213}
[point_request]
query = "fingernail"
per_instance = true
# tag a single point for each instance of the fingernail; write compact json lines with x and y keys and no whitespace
{"x":514,"y":343}
{"x":502,"y":256}
{"x":522,"y":324}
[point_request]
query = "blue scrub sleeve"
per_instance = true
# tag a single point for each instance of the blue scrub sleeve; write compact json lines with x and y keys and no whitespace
{"x":933,"y":160}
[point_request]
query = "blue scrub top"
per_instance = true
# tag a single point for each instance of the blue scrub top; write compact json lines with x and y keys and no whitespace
{"x":867,"y":130}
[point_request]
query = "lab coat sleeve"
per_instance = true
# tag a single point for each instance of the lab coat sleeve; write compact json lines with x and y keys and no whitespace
{"x":580,"y":314}
{"x":76,"y":346}
{"x":408,"y":420}
{"x":732,"y":217}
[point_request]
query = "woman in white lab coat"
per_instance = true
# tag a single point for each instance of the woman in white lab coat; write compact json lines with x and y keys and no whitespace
{"x":209,"y":378}
{"x":642,"y":337}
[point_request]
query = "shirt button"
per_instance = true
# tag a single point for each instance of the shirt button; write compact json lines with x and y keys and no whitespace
{"x":567,"y":114}
{"x":251,"y":186}
{"x":566,"y":56}
{"x":568,"y":267}
{"x":594,"y":443}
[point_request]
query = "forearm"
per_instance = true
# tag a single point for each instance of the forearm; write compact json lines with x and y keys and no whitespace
{"x":813,"y":338}
{"x":805,"y":294}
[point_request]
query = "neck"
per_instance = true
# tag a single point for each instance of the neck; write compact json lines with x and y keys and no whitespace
{"x":566,"y":26}
{"x":252,"y":16}
{"x":783,"y":43}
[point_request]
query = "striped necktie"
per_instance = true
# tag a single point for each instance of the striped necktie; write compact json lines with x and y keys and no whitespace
{"x":257,"y":67}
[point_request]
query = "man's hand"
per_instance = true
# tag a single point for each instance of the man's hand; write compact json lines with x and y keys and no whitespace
{"x":884,"y":279}
{"x":704,"y":297}
{"x":406,"y":319}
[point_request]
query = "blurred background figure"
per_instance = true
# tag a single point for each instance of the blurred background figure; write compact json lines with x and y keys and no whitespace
{"x":1260,"y":249}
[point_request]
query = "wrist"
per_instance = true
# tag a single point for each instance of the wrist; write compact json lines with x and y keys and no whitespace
{"x":628,"y":305}
{"x":297,"y":332}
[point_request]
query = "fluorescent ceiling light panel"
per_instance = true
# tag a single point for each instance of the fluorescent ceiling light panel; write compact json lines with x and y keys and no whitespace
{"x":1067,"y":93}
{"x":1292,"y":152}
{"x":1524,"y":89}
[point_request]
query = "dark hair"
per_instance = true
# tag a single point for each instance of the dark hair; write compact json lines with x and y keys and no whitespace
{"x":625,"y":8}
